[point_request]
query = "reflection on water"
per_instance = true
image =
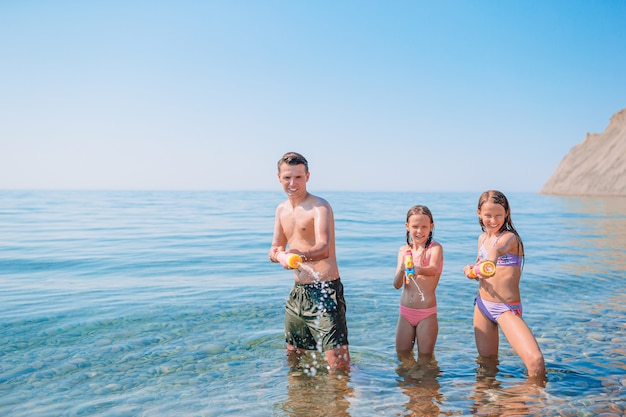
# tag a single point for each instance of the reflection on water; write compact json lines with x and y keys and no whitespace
{"x":314,"y":392}
{"x":494,"y":398}
{"x":419,"y":381}
{"x":317,"y":396}
{"x":599,"y":230}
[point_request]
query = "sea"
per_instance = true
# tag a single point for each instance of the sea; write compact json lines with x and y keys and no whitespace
{"x":164,"y":303}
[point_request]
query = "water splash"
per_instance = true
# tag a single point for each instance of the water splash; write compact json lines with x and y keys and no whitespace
{"x":311,"y":271}
{"x":419,"y":290}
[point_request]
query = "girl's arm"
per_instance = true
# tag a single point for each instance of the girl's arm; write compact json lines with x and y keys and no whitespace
{"x":467,"y":268}
{"x":398,"y":279}
{"x":434,"y":266}
{"x":507,"y":244}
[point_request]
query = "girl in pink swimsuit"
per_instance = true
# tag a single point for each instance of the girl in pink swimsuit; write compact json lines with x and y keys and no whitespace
{"x":498,"y":303}
{"x":417,"y":324}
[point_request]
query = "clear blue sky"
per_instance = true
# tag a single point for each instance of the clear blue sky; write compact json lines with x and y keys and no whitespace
{"x":378,"y":95}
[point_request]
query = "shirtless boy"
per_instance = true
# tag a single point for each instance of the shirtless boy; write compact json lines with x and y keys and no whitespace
{"x":315,"y":311}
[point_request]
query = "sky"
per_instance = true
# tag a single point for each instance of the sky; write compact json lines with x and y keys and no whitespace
{"x":443,"y":95}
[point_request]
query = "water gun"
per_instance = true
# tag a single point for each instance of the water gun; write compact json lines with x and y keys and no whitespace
{"x":486,"y":269}
{"x":290,"y":260}
{"x":409,"y":270}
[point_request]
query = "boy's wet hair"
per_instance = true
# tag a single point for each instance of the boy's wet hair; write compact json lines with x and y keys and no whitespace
{"x":293,"y":158}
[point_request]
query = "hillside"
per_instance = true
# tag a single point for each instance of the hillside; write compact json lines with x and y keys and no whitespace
{"x":595,"y":167}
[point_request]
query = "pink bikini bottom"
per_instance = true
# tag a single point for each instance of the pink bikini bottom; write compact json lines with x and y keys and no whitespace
{"x":415,"y":315}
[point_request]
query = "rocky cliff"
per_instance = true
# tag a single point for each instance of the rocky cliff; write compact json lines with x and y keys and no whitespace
{"x":595,"y":167}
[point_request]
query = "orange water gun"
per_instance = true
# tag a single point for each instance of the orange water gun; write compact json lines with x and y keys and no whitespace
{"x":485,"y":269}
{"x":289,"y":260}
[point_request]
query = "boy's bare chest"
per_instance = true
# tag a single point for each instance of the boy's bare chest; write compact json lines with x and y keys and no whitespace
{"x":300,"y":225}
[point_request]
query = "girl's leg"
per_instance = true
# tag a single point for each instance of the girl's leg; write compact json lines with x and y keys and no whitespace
{"x":405,"y":338}
{"x":523,"y":343}
{"x":427,"y":331}
{"x":486,"y":335}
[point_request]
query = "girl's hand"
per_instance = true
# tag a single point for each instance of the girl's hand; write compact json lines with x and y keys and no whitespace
{"x":483,"y":270}
{"x":468,"y":270}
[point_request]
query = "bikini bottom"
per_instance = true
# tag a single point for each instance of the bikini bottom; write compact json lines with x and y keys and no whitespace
{"x":415,"y":315}
{"x":493,"y":310}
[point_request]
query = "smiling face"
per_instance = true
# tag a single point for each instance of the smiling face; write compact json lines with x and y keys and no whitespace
{"x":293,"y":179}
{"x":494,"y":212}
{"x":419,"y":227}
{"x":492,"y":216}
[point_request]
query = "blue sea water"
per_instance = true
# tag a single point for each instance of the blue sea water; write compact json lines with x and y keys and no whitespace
{"x":164,"y":304}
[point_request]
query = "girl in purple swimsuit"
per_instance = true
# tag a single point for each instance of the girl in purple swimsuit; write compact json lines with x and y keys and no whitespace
{"x":498,"y":304}
{"x":417,"y":324}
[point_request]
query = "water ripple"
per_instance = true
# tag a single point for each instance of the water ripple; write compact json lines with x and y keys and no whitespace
{"x":164,"y":303}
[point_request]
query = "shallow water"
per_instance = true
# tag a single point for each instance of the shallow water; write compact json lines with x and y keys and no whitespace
{"x":164,"y":303}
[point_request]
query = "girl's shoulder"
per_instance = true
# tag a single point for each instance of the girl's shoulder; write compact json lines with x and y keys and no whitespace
{"x":508,"y":240}
{"x":434,"y":244}
{"x":506,"y":237}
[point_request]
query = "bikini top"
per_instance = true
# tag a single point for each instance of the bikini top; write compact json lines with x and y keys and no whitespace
{"x":508,"y":259}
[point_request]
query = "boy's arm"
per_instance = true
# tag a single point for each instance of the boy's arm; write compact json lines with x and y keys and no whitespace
{"x":323,"y":223}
